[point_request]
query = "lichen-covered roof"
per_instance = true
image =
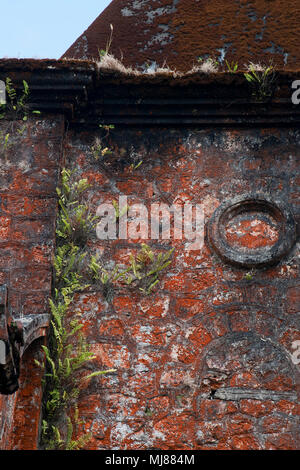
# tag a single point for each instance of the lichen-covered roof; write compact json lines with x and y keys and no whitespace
{"x":179,"y":31}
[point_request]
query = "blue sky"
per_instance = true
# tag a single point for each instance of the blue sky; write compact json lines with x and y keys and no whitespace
{"x":44,"y":29}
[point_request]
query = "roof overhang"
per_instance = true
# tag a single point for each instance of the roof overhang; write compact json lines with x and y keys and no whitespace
{"x":87,"y":94}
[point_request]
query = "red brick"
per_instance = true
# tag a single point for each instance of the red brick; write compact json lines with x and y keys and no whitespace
{"x":244,"y":442}
{"x":5,"y":223}
{"x":186,"y":308}
{"x":293,"y":300}
{"x":256,"y":408}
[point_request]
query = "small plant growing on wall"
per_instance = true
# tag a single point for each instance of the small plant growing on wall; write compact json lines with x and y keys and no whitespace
{"x":15,"y":109}
{"x":75,"y":223}
{"x":142,"y":274}
{"x":262,"y":80}
{"x":112,"y":161}
{"x":146,"y":267}
{"x":106,"y":278}
{"x":232,"y":67}
{"x":104,"y":52}
{"x":16,"y":106}
{"x":67,"y":352}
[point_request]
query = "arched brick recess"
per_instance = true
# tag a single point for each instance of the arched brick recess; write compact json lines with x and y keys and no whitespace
{"x":247,"y":394}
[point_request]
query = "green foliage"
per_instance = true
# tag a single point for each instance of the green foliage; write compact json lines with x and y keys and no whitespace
{"x":119,"y":213}
{"x":103,"y":52}
{"x":134,"y":167}
{"x":146,"y":268}
{"x":4,"y":142}
{"x":107,"y":127}
{"x":65,"y":356}
{"x":232,"y":67}
{"x":143,"y":273}
{"x":75,"y":224}
{"x":99,"y":149}
{"x":148,"y":412}
{"x":16,"y":108}
{"x":106,"y":278}
{"x":68,"y":266}
{"x":99,"y":273}
{"x":261,"y":80}
{"x":67,"y":353}
{"x":17,"y":102}
{"x":249,"y":275}
{"x":63,"y":366}
{"x":57,"y":442}
{"x":98,"y":372}
{"x":112,"y":161}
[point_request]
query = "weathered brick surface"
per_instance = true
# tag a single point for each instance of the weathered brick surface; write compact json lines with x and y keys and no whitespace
{"x":29,"y":173}
{"x":27,"y":414}
{"x":206,"y":362}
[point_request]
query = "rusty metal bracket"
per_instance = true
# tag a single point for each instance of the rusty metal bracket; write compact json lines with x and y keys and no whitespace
{"x":16,"y":334}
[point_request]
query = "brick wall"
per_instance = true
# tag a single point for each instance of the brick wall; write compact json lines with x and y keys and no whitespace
{"x":29,"y":176}
{"x":205,"y":362}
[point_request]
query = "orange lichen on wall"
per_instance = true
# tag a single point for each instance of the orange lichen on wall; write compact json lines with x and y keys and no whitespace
{"x":177,"y":32}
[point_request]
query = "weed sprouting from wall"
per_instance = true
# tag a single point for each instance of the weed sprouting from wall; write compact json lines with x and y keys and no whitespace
{"x":14,"y":113}
{"x":75,"y":223}
{"x":67,"y":352}
{"x":109,"y":161}
{"x":262,"y":80}
{"x":232,"y":67}
{"x":142,"y":274}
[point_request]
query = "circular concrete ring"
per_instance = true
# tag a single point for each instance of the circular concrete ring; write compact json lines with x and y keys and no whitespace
{"x":251,"y":258}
